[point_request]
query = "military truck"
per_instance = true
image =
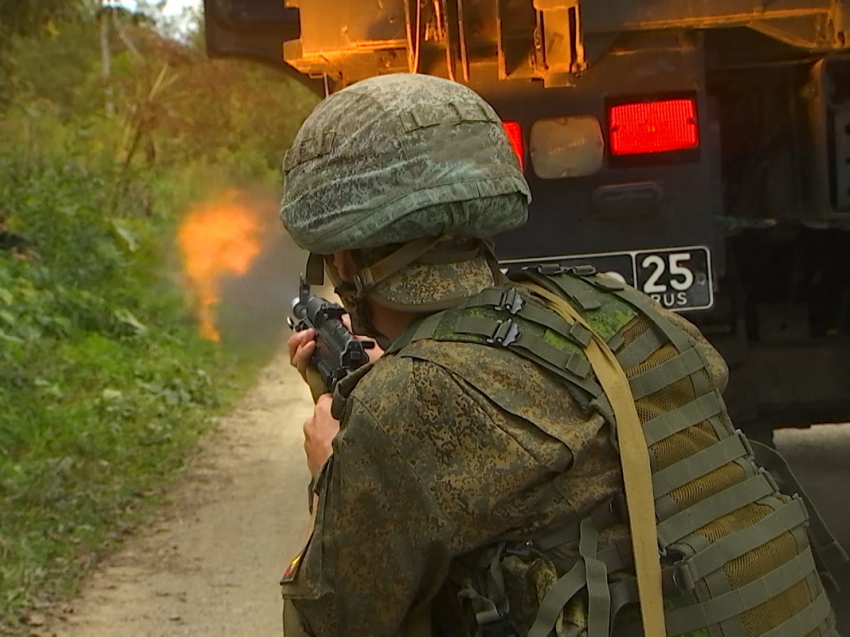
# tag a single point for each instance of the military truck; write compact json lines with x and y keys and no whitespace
{"x":700,"y":151}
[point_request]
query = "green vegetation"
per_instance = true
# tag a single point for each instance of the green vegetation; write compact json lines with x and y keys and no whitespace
{"x":105,"y":384}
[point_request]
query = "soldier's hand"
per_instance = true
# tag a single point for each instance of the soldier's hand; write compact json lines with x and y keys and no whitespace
{"x":319,"y":431}
{"x":302,"y":345}
{"x":301,"y":348}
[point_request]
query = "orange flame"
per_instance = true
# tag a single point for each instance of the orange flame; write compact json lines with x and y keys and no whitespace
{"x":217,"y":239}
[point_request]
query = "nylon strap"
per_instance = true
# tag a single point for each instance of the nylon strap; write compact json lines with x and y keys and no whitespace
{"x":623,"y":593}
{"x":440,"y":257}
{"x":492,"y":608}
{"x":637,"y":473}
{"x":505,"y":300}
{"x":697,"y":516}
{"x":561,"y":593}
{"x":485,"y":610}
{"x":508,"y":300}
{"x":578,"y":291}
{"x":640,"y":348}
{"x":637,"y":299}
{"x":598,"y":595}
{"x":830,"y":552}
{"x":573,"y":367}
{"x":679,"y":419}
{"x":733,"y":546}
{"x":680,"y":340}
{"x":704,"y":462}
{"x":615,"y":343}
{"x":613,"y":559}
{"x":314,"y":272}
{"x":602,"y":281}
{"x":666,"y":373}
{"x":369,"y":276}
{"x":565,"y":534}
{"x":589,"y":571}
{"x":805,"y":621}
{"x":801,"y":624}
{"x":740,"y":600}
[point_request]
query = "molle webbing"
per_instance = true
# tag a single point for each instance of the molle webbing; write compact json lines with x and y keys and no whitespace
{"x":732,"y":546}
{"x":695,"y":517}
{"x":700,"y":464}
{"x":636,"y":475}
{"x":640,"y":349}
{"x":749,"y":596}
{"x":673,"y":422}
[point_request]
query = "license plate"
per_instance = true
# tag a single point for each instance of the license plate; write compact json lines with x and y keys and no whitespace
{"x":678,"y":278}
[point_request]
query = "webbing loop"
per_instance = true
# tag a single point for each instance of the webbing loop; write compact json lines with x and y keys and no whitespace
{"x":700,"y":464}
{"x":718,"y":609}
{"x":491,"y":611}
{"x":787,"y":517}
{"x":665,"y":374}
{"x":804,"y":622}
{"x":596,"y":573}
{"x":827,"y":548}
{"x":698,"y":515}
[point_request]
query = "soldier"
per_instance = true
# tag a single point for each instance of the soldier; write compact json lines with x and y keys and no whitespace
{"x":544,"y":456}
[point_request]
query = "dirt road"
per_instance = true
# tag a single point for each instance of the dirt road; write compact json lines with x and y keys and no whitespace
{"x":210,"y":565}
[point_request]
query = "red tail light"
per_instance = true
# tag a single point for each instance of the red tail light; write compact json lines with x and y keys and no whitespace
{"x":653,"y":127}
{"x":514,"y":132}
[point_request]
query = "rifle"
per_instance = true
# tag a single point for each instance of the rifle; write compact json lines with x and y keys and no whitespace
{"x":338,"y":352}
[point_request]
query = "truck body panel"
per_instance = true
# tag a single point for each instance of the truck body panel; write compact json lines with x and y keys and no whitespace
{"x":741,"y":219}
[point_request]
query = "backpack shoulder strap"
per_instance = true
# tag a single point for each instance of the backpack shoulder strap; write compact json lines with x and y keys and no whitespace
{"x":634,"y":457}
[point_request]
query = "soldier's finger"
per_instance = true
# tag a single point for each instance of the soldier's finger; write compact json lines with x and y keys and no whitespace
{"x":301,"y":358}
{"x":298,"y":340}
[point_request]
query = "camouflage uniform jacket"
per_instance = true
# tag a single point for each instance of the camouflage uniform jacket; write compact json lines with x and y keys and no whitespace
{"x":446,"y":448}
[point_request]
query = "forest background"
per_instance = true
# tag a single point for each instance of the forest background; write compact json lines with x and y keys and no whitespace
{"x":116,"y":134}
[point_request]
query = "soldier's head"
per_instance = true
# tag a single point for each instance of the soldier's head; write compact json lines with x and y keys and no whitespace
{"x":396,"y":185}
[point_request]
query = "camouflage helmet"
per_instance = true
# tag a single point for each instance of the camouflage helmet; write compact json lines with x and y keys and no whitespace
{"x":400,"y":158}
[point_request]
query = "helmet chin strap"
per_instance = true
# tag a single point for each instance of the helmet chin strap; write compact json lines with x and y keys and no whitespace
{"x":315,"y":270}
{"x":353,"y":299}
{"x":354,"y":293}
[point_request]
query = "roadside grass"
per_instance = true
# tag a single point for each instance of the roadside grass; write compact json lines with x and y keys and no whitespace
{"x":105,"y":385}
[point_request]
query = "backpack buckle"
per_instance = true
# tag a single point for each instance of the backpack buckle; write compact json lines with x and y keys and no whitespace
{"x":682,"y":576}
{"x":524,"y":551}
{"x":510,"y":302}
{"x":506,"y":332}
{"x":584,"y":269}
{"x":546,"y":269}
{"x":495,"y":623}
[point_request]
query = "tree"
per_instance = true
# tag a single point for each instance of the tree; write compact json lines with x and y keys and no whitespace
{"x":21,"y":18}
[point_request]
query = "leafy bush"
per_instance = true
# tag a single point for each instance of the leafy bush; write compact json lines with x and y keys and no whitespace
{"x":105,"y":384}
{"x":103,"y":381}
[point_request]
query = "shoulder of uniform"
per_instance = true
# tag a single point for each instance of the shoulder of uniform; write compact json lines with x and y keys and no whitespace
{"x":395,"y":380}
{"x":390,"y":380}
